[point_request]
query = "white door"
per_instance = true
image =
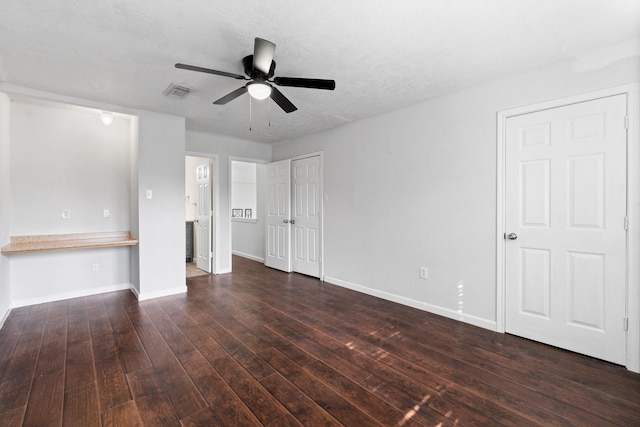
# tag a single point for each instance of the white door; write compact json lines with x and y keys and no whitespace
{"x":277,"y":254}
{"x":306,"y":216}
{"x":203,"y":220}
{"x":565,"y":214}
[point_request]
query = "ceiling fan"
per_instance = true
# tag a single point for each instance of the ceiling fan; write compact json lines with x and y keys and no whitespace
{"x":259,"y":68}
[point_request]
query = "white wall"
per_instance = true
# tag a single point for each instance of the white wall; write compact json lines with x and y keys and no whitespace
{"x":161,"y":169}
{"x":5,"y":190}
{"x":67,"y":159}
{"x":224,"y":147}
{"x":417,"y":187}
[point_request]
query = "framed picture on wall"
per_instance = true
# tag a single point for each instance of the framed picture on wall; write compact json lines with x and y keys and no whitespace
{"x":247,"y":213}
{"x":236,"y":213}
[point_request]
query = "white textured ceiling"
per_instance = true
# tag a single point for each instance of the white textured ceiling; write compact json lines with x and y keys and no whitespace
{"x":382,"y":54}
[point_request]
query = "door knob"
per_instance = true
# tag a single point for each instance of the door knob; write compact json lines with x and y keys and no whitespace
{"x":286,"y":221}
{"x":289,"y":221}
{"x":293,"y":221}
{"x":512,"y":236}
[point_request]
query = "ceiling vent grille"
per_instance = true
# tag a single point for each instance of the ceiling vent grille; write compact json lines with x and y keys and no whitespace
{"x":177,"y":91}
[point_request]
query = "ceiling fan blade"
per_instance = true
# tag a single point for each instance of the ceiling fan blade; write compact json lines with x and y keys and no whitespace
{"x":282,"y":101}
{"x":230,"y":97}
{"x":302,"y":82}
{"x":263,"y":55}
{"x":210,"y":71}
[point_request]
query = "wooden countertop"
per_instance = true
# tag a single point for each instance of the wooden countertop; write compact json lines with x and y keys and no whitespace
{"x":57,"y":242}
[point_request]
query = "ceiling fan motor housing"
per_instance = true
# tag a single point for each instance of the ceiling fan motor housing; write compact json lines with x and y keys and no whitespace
{"x":247,"y":63}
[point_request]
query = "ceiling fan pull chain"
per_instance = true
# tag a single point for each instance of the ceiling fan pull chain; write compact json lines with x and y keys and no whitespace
{"x":250,"y":103}
{"x":269,"y":112}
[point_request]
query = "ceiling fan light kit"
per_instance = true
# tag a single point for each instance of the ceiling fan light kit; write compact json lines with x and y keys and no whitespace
{"x":259,"y":90}
{"x":259,"y":68}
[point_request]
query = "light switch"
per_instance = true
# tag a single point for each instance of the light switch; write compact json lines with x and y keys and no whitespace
{"x":149,"y":194}
{"x":106,"y":213}
{"x":66,"y":213}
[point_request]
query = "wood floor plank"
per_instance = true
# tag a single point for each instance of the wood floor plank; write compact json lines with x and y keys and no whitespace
{"x":14,"y":391}
{"x":203,"y":418}
{"x":297,"y":403}
{"x":46,"y":400}
{"x":331,"y":401}
{"x":54,"y":345}
{"x":81,"y":407}
{"x":113,"y":389}
{"x":122,"y":415}
{"x":263,"y":405}
{"x":79,"y":368}
{"x":12,"y":417}
{"x":369,"y":403}
{"x":133,"y":355}
{"x":178,"y":386}
{"x":152,"y":403}
{"x":224,"y":403}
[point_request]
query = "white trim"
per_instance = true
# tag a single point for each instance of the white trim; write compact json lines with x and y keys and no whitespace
{"x":159,"y":294}
{"x":632,"y":92}
{"x":430,"y":308}
{"x":5,"y":317}
{"x":215,"y":187}
{"x":71,"y":295}
{"x":248,"y":256}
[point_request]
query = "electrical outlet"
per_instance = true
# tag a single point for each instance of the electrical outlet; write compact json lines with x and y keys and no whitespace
{"x":148,"y":194}
{"x":66,"y":213}
{"x":424,"y":273}
{"x":106,"y":213}
{"x":95,"y":267}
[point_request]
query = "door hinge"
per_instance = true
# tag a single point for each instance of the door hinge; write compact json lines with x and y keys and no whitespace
{"x":626,"y":223}
{"x":625,"y":323}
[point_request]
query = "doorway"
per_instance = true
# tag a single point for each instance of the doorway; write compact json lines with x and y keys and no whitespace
{"x":199,"y":215}
{"x":564,"y":242}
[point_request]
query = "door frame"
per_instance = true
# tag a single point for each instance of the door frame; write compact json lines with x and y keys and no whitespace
{"x":215,"y":201}
{"x":258,"y":195}
{"x":632,"y":91}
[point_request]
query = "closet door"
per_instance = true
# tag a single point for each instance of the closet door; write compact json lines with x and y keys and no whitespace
{"x":278,"y":227}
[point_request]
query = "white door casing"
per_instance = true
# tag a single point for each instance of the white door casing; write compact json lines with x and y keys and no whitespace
{"x":204,"y":217}
{"x":565,"y":200}
{"x":306,"y":205}
{"x":277,"y":239}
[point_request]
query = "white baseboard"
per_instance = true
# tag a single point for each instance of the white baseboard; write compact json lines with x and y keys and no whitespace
{"x":4,"y":317}
{"x":71,"y":295}
{"x":248,"y":256}
{"x":158,"y":294}
{"x":441,"y":311}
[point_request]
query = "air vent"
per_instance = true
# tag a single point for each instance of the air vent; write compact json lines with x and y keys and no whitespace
{"x":177,"y":91}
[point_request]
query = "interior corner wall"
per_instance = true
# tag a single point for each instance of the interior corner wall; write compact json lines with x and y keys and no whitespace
{"x":160,"y":223}
{"x":200,"y":143}
{"x":417,"y":187}
{"x":5,"y":285}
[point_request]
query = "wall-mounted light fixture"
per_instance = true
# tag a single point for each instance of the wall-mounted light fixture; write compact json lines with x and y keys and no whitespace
{"x":106,"y":118}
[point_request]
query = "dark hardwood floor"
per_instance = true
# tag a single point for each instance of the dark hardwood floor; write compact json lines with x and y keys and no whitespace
{"x":261,"y":347}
